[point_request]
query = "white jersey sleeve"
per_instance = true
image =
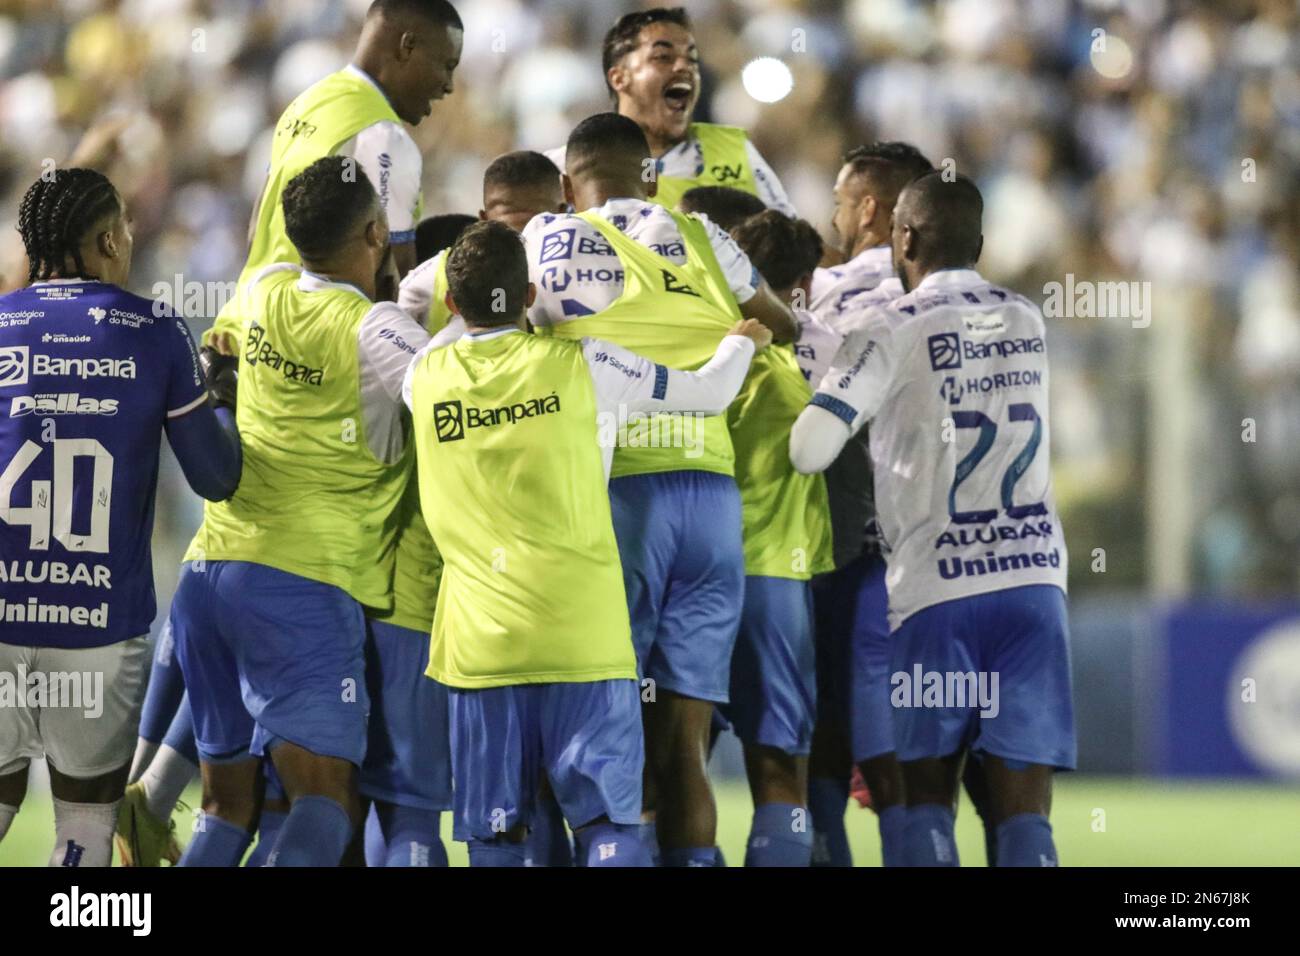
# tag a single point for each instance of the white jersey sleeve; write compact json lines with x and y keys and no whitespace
{"x":387,"y":340}
{"x":769,"y":186}
{"x":625,"y":380}
{"x":452,"y":331}
{"x":816,"y":346}
{"x":742,"y":277}
{"x":415,"y":294}
{"x":394,"y":166}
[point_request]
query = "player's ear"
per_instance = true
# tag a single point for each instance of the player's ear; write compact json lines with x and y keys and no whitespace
{"x":450,"y":303}
{"x":376,"y":234}
{"x":106,"y":245}
{"x":869,"y":209}
{"x":531,"y":296}
{"x":406,"y":46}
{"x":618,"y":79}
{"x":482,"y":215}
{"x":909,"y":238}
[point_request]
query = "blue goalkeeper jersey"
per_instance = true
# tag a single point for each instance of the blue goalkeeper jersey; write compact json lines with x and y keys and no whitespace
{"x":89,"y":375}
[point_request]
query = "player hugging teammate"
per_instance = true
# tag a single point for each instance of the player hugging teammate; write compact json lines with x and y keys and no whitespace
{"x":448,"y":562}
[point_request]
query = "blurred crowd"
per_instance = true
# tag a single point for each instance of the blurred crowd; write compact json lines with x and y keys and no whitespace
{"x":1115,"y":140}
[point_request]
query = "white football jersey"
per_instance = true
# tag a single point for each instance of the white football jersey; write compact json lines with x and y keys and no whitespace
{"x":954,"y":380}
{"x":577,"y":272}
{"x":834,"y":289}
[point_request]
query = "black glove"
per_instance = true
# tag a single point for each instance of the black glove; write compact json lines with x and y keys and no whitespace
{"x":221,"y":375}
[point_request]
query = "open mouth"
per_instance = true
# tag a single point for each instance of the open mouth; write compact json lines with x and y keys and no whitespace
{"x":678,"y":95}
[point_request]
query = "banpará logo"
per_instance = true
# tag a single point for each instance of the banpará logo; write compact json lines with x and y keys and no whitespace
{"x":973,"y":351}
{"x":64,"y":403}
{"x":83,"y":368}
{"x":259,"y":350}
{"x":452,"y":418}
{"x":945,"y":350}
{"x":130,"y":910}
{"x":557,"y":245}
{"x":449,"y":421}
{"x":13,"y":365}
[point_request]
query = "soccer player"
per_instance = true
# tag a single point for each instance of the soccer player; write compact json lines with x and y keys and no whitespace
{"x":514,"y":436}
{"x":787,"y":540}
{"x":953,"y":376}
{"x":865,"y":191}
{"x":270,"y":600}
{"x":516,"y":187}
{"x":403,"y":63}
{"x":666,"y":286}
{"x":652,"y":71}
{"x":852,"y":631}
{"x":90,"y":375}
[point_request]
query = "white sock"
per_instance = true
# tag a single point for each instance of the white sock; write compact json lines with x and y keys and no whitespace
{"x":7,"y":814}
{"x":83,"y":833}
{"x":144,"y":751}
{"x":165,"y":779}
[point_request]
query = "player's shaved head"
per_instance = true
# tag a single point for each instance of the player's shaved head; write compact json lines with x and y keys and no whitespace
{"x":607,"y":155}
{"x":333,"y":218}
{"x":727,"y":207}
{"x":411,"y":48}
{"x":866,"y":189}
{"x":520,"y":185}
{"x":937,"y":225}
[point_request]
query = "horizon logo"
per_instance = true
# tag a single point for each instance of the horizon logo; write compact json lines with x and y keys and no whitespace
{"x":945,"y":351}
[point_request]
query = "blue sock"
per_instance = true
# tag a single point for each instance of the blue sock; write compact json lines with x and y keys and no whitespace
{"x":268,"y":830}
{"x":650,"y":837}
{"x":1026,"y":840}
{"x":180,"y":733}
{"x":410,"y":836}
{"x":690,"y":856}
{"x":548,"y":840}
{"x":612,"y":844}
{"x":496,"y":853}
{"x":315,"y":834}
{"x":827,"y":798}
{"x":928,"y":837}
{"x":893,"y":839}
{"x":373,"y":840}
{"x":218,"y":843}
{"x":775,"y":839}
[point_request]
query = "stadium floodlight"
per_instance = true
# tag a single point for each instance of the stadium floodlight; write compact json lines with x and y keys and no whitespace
{"x":767,"y":79}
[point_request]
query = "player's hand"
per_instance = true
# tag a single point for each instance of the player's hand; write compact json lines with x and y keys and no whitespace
{"x":755,"y":331}
{"x":221,"y":375}
{"x":224,"y":343}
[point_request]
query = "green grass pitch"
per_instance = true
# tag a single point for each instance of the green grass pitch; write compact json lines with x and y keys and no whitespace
{"x":1098,"y":821}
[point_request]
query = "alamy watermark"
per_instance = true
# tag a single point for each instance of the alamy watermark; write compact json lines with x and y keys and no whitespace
{"x":48,"y":690}
{"x":1084,"y":299}
{"x":955,"y":689}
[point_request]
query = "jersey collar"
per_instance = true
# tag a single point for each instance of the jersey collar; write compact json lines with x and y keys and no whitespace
{"x":313,"y":282}
{"x":950,"y":279}
{"x":486,"y":334}
{"x":357,"y":71}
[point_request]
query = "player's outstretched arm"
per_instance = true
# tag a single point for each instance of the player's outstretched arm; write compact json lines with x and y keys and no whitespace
{"x":632,"y":381}
{"x":816,"y":440}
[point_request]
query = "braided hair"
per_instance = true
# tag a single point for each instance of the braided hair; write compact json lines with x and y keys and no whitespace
{"x":56,"y":214}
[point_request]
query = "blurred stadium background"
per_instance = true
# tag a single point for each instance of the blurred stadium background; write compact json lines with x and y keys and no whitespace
{"x":1149,"y":141}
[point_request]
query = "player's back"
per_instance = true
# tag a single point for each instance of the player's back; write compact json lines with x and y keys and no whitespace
{"x":960,"y":444}
{"x":89,"y":374}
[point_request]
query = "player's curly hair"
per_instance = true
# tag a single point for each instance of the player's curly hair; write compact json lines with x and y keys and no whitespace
{"x":323,"y":203}
{"x":56,"y":213}
{"x":781,"y":248}
{"x":623,"y":35}
{"x":888,"y":166}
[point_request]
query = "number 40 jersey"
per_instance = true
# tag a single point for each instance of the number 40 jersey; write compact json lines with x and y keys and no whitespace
{"x":953,"y":377}
{"x":89,"y":375}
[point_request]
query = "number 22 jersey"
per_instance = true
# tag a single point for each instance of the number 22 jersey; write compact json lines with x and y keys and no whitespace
{"x":89,"y":375}
{"x":953,"y":377}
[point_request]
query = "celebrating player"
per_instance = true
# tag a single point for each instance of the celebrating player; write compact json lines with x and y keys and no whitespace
{"x":652,"y":70}
{"x":976,"y":557}
{"x":516,"y":187}
{"x":89,"y":377}
{"x":325,"y":462}
{"x":787,"y":540}
{"x":666,"y":286}
{"x":514,"y":439}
